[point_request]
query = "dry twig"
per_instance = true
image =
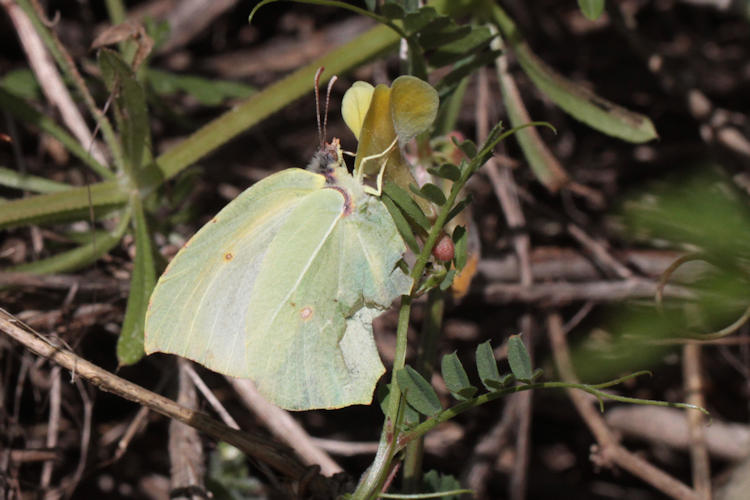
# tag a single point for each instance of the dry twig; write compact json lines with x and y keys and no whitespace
{"x":273,"y":454}
{"x":283,"y":426}
{"x":185,"y":447}
{"x":610,"y":451}
{"x":693,"y":383}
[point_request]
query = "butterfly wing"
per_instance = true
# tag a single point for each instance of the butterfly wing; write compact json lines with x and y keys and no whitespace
{"x":282,"y":287}
{"x":199,"y":306}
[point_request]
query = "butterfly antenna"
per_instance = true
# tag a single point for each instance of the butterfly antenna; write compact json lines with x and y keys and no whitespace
{"x":328,"y":100}
{"x":317,"y":104}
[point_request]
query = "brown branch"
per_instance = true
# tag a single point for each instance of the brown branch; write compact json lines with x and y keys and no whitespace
{"x":693,"y":383}
{"x":275,"y":455}
{"x":283,"y":426}
{"x":564,"y":292}
{"x":55,"y":401}
{"x":610,"y":450}
{"x":185,"y":447}
{"x":600,"y":252}
{"x":669,"y":427}
{"x":64,"y":282}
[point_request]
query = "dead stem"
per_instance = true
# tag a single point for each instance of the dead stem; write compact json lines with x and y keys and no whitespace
{"x":693,"y":384}
{"x":260,"y":448}
{"x":284,"y":426}
{"x":609,"y":451}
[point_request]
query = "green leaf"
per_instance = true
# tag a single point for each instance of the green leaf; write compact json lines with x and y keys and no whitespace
{"x":434,"y":482}
{"x":11,"y":178}
{"x":130,"y":100}
{"x":446,"y":171}
{"x":392,"y":10}
{"x":448,"y":280}
{"x":455,"y":377}
{"x":64,"y":205}
{"x":207,"y":91}
{"x":519,"y":359}
{"x":487,"y":366}
{"x":462,"y":69}
{"x":430,"y":192}
{"x":543,"y":162}
{"x":407,"y":205}
{"x":130,"y":343}
{"x":415,"y":21}
{"x":410,"y":5}
{"x":468,"y":147}
{"x":592,"y":9}
{"x":418,"y":391}
{"x":432,"y":280}
{"x":403,"y":226}
{"x":22,"y":83}
{"x":582,"y":104}
{"x":76,"y":258}
{"x":440,"y":32}
{"x":504,"y":381}
{"x":461,"y":245}
{"x":410,"y":415}
{"x":473,"y":42}
{"x":458,"y":208}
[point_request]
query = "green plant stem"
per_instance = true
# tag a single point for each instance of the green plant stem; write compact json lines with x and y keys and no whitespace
{"x":68,"y":67}
{"x":426,"y":354}
{"x":116,"y":11}
{"x":378,"y":471}
{"x":452,"y":412}
{"x":418,"y":496}
{"x":379,"y":468}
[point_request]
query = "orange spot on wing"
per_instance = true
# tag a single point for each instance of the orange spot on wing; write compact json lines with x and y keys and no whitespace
{"x":228,"y":256}
{"x":306,"y":313}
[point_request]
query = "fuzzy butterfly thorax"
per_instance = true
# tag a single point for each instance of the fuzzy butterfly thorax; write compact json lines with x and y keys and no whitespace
{"x":327,"y":159}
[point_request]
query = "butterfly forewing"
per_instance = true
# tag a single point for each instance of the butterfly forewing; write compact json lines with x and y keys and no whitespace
{"x":199,"y":305}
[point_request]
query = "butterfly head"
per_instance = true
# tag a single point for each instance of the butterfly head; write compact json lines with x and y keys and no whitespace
{"x":328,"y":160}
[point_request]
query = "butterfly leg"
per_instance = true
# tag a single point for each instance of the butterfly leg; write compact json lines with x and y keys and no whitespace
{"x":384,"y":160}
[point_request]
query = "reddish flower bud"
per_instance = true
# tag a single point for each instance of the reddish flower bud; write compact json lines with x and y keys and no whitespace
{"x":443,"y":249}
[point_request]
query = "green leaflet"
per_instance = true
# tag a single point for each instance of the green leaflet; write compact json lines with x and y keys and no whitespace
{"x":519,"y":359}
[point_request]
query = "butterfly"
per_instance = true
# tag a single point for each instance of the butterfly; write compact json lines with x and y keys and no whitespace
{"x":283,"y":284}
